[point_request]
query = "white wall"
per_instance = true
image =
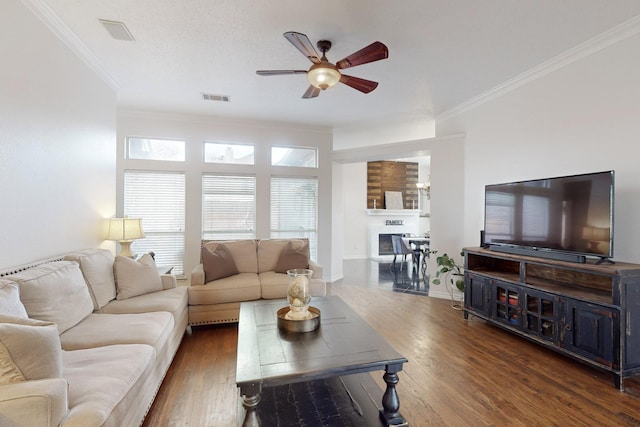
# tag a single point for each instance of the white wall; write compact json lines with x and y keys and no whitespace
{"x":584,"y":117}
{"x":197,"y":129}
{"x":356,"y":234}
{"x":57,"y":143}
{"x":337,"y":223}
{"x":384,"y":132}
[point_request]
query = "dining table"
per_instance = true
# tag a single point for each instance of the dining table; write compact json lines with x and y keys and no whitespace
{"x":417,"y":244}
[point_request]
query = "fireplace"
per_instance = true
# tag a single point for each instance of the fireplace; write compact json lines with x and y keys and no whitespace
{"x":380,"y":232}
{"x":385,"y":246}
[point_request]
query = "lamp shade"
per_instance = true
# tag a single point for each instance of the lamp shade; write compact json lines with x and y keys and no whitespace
{"x":323,"y":75}
{"x":125,"y":229}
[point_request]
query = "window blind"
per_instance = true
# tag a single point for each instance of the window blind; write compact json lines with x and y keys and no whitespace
{"x":228,"y":207}
{"x":159,"y":199}
{"x":294,"y":209}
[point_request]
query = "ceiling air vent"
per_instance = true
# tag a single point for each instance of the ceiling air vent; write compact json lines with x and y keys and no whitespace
{"x":118,"y":30}
{"x":211,"y":97}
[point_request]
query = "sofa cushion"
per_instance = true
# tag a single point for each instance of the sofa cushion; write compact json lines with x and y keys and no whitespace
{"x":293,"y":256}
{"x":55,"y":292}
{"x":10,"y":304}
{"x":269,"y":251}
{"x":97,"y":268}
{"x":243,"y":252}
{"x":135,"y":278}
{"x":29,"y":350}
{"x":103,"y":380}
{"x":172,"y":300}
{"x":99,"y":330}
{"x":218,"y":263}
{"x":241,"y":287}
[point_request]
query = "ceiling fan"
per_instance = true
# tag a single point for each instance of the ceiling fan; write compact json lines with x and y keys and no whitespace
{"x":323,"y":74}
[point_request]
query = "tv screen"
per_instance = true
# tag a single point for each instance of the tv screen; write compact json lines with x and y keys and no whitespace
{"x":566,"y":214}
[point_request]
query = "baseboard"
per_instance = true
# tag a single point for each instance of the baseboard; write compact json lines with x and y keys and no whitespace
{"x":334,"y":278}
{"x":439,"y":291}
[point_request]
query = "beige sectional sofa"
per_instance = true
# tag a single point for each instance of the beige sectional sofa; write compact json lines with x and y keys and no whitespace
{"x":80,"y":346}
{"x":245,"y":270}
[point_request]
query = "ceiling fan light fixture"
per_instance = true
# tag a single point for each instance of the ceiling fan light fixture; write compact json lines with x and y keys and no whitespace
{"x":323,"y":75}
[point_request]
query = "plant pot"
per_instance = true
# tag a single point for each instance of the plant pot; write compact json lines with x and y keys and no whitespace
{"x":457,"y":282}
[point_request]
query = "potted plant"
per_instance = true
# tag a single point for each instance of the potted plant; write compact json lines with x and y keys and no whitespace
{"x":448,"y":266}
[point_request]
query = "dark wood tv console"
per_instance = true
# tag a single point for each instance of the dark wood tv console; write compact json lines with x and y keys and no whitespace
{"x":587,"y":311}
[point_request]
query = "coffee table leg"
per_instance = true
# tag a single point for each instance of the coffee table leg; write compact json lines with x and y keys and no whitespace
{"x":249,"y":403}
{"x":390,"y":412}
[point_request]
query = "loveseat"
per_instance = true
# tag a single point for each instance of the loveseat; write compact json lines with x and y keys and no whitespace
{"x":231,"y":272}
{"x":82,"y":346}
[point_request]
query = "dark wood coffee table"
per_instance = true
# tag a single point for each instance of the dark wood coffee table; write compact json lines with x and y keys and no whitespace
{"x":344,"y":344}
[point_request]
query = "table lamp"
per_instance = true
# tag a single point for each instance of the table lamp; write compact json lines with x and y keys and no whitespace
{"x":125,"y":231}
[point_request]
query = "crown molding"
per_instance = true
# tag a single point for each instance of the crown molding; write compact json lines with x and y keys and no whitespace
{"x":43,"y":12}
{"x":602,"y":41}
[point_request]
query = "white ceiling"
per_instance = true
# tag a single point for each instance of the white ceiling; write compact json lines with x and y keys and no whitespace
{"x":441,"y":52}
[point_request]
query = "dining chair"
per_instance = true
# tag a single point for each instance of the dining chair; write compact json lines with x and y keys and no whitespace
{"x":400,"y":248}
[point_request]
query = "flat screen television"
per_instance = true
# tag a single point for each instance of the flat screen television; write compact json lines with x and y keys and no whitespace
{"x":567,"y":218}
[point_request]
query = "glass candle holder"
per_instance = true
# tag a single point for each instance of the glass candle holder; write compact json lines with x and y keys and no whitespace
{"x":299,"y":294}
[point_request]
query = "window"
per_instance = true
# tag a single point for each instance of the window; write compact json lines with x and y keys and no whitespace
{"x":294,"y":210}
{"x":239,"y":154}
{"x":294,"y":156}
{"x":228,"y":207}
{"x":155,"y":149}
{"x":159,"y":199}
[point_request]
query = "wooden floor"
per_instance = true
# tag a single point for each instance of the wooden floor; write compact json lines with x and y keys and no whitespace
{"x":460,"y":372}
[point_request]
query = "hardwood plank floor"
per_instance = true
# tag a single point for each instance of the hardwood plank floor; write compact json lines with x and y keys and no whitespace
{"x":460,"y":372}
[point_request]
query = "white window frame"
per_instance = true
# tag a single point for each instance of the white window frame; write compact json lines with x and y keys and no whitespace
{"x":227,"y":161}
{"x":275,"y":162}
{"x":127,"y":151}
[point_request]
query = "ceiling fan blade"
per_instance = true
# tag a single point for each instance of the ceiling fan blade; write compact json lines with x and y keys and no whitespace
{"x":311,"y":92}
{"x":302,"y":43}
{"x":374,"y":52}
{"x":279,"y":72}
{"x":364,"y":86}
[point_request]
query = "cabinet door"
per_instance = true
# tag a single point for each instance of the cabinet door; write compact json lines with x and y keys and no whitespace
{"x":630,"y":324}
{"x":590,"y":331}
{"x":541,"y":315}
{"x":506,"y":304}
{"x":477,"y":294}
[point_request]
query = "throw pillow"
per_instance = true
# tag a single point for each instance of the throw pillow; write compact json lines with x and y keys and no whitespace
{"x":218,"y":263}
{"x":292,"y":257}
{"x":10,"y":304}
{"x":29,"y":350}
{"x":135,"y":278}
{"x":97,"y":267}
{"x":55,"y":292}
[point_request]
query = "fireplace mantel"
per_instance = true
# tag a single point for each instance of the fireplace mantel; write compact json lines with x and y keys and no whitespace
{"x":394,"y":212}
